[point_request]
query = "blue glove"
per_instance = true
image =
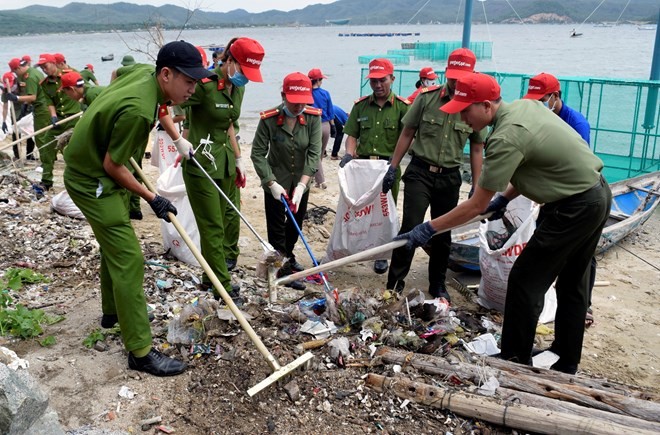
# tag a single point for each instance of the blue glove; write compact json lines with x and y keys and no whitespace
{"x":418,"y":236}
{"x":53,"y":120}
{"x":388,"y":179}
{"x":347,"y":158}
{"x":162,"y":206}
{"x":5,"y":129}
{"x":11,"y":97}
{"x":498,"y":207}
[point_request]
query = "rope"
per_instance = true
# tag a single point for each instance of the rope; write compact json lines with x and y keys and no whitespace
{"x":418,"y":11}
{"x":593,"y":12}
{"x":624,"y":9}
{"x":490,"y":37}
{"x":640,"y":258}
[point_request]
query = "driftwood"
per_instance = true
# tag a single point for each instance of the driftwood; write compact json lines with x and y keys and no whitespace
{"x":510,"y":414}
{"x":578,"y":394}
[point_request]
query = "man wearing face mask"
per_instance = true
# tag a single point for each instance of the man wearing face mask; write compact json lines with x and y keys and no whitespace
{"x":433,"y":176}
{"x":546,"y":88}
{"x":427,"y":78}
{"x":285,"y":154}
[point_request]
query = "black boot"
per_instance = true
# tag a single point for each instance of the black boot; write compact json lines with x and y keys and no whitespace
{"x":156,"y":363}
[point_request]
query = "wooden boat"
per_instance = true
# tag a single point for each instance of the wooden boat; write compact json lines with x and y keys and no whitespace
{"x":633,"y":202}
{"x":108,"y":57}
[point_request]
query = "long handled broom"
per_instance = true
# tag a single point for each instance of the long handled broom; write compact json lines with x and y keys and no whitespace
{"x":278,"y":370}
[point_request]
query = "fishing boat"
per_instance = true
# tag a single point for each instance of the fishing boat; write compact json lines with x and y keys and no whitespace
{"x":339,"y":22}
{"x":633,"y":202}
{"x":647,"y":27}
{"x":108,"y":57}
{"x":214,"y":47}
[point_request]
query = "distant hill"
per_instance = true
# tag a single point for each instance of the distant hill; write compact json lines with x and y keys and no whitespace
{"x":83,"y":17}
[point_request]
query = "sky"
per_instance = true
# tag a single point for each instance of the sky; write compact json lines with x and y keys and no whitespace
{"x":206,"y":5}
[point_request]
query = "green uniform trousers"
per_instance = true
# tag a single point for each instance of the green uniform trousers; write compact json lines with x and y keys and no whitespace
{"x":122,"y":262}
{"x":48,"y":149}
{"x":133,"y":199}
{"x":210,"y":210}
{"x":233,"y":222}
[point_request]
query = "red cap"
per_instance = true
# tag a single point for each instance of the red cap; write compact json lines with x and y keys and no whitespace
{"x":297,"y":88}
{"x":26,"y":58}
{"x":249,"y":54}
{"x":46,"y":58}
{"x":71,"y":79}
{"x":59,"y":58}
{"x":205,"y":60}
{"x":379,"y":68}
{"x":14,"y":63}
{"x":542,"y":85}
{"x":315,"y":74}
{"x":472,"y":88}
{"x":90,"y":67}
{"x":427,"y":73}
{"x":460,"y":63}
{"x":8,"y":78}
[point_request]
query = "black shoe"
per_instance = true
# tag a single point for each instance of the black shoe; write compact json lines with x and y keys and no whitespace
{"x":380,"y":266}
{"x":296,"y":285}
{"x":156,"y":363}
{"x":439,"y":291}
{"x":570,"y":369}
{"x":135,"y":215}
{"x":109,"y":320}
{"x":234,"y":294}
{"x":295,"y":266}
{"x":231,"y":263}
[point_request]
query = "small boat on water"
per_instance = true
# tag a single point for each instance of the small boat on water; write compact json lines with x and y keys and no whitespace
{"x":574,"y":34}
{"x":108,"y":57}
{"x":647,"y":27}
{"x":214,"y":47}
{"x":339,"y":22}
{"x":633,"y":202}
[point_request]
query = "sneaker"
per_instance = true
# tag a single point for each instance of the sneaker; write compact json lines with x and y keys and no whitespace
{"x":109,"y":320}
{"x":380,"y":266}
{"x":156,"y":363}
{"x":296,"y":285}
{"x":135,"y":215}
{"x":439,"y":291}
{"x":231,"y":263}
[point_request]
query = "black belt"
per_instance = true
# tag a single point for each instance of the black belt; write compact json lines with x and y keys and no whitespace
{"x":374,"y":157}
{"x":416,"y":161}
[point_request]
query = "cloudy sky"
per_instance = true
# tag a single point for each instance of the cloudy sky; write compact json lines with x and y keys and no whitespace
{"x":207,"y":5}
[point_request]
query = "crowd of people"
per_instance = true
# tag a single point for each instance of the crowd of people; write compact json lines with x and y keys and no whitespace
{"x":514,"y":149}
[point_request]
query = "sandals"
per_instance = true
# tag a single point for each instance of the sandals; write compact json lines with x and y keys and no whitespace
{"x":589,"y":319}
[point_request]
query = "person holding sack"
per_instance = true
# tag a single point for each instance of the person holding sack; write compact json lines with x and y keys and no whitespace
{"x":285,"y":152}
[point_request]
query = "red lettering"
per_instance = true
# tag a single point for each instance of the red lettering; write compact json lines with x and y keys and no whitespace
{"x":514,"y":250}
{"x":384,"y":205}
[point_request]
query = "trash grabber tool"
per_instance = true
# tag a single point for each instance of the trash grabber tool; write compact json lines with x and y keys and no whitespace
{"x":42,"y":130}
{"x":278,"y":371}
{"x":309,"y":250}
{"x":360,"y":256}
{"x":267,"y":246}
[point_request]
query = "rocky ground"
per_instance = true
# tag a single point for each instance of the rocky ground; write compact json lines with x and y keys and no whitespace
{"x":330,"y":395}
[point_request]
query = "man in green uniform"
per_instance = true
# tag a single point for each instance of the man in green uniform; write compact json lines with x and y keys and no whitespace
{"x":59,"y":107}
{"x":88,"y":75}
{"x":74,"y":86}
{"x":97,"y":180}
{"x":532,"y":152}
{"x":374,"y":125}
{"x":433,"y":176}
{"x":32,"y":94}
{"x":16,"y":111}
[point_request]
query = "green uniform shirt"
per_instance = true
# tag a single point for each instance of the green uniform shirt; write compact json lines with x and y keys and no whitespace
{"x":212,"y":109}
{"x":118,"y":124}
{"x":64,"y":106}
{"x":88,"y":76}
{"x":376,"y":128}
{"x":440,"y":136}
{"x":541,"y":155}
{"x":31,"y":86}
{"x":282,"y":155}
{"x":90,"y":93}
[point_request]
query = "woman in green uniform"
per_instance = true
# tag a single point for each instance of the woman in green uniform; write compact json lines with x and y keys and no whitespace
{"x":285,"y":152}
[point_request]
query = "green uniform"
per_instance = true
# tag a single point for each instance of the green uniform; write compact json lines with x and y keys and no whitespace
{"x":432,"y":179}
{"x":88,"y":76}
{"x":377,"y":129}
{"x":117,"y":124}
{"x":64,"y":107}
{"x":90,"y":93}
{"x":211,"y":110}
{"x":30,"y":85}
{"x":283,"y":155}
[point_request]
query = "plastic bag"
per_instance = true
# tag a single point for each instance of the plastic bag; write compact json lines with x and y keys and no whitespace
{"x":163,"y":152}
{"x":64,"y":205}
{"x":365,"y":217}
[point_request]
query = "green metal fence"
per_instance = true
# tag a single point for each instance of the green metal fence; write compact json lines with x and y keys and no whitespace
{"x":625,"y":130}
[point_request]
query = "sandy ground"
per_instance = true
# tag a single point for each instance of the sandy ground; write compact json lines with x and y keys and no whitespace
{"x":83,"y":384}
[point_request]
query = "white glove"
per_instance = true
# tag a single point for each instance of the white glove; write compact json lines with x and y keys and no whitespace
{"x":297,"y":195}
{"x":240,"y":172}
{"x":184,"y":147}
{"x":277,"y":191}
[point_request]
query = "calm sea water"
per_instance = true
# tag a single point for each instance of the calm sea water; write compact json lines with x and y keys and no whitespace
{"x":620,"y":52}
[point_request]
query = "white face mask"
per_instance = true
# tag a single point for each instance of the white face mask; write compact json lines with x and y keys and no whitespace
{"x":546,"y":103}
{"x":428,"y":82}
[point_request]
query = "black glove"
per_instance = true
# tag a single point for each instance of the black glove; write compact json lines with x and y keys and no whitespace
{"x":11,"y":97}
{"x":471,"y":192}
{"x":4,"y":127}
{"x":418,"y":236}
{"x":347,"y":158}
{"x":498,"y":207}
{"x":161,"y":206}
{"x":53,"y":120}
{"x":388,"y":179}
{"x":333,"y":130}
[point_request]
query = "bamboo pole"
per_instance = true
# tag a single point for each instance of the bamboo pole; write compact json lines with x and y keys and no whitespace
{"x":42,"y":130}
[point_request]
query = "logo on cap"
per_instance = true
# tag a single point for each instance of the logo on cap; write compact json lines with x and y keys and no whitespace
{"x":253,"y":61}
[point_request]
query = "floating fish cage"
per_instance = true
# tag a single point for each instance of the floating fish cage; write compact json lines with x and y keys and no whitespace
{"x":395,"y":59}
{"x":438,"y":51}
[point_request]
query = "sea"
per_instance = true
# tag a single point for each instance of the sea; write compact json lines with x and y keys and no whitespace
{"x":621,"y":51}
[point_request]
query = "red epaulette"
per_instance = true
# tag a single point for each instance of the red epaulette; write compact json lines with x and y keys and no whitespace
{"x":360,"y":99}
{"x":162,"y":111}
{"x":206,"y":80}
{"x":404,"y":100}
{"x":269,"y":113}
{"x":430,"y":89}
{"x":313,"y":111}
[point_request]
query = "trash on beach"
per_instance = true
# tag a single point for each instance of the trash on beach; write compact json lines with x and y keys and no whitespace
{"x":483,"y":345}
{"x":126,"y":392}
{"x":318,"y":329}
{"x":489,"y":387}
{"x":545,"y":359}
